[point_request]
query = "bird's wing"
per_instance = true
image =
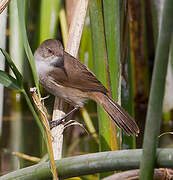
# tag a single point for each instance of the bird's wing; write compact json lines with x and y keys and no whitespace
{"x":74,"y":74}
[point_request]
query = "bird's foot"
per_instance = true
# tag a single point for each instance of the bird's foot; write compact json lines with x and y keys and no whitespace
{"x":60,"y":121}
{"x":57,"y":122}
{"x":43,"y":98}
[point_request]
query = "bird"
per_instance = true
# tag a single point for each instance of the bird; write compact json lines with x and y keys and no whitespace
{"x":66,"y":77}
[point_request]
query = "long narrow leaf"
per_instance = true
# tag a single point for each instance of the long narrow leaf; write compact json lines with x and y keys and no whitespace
{"x":106,"y":131}
{"x":48,"y":19}
{"x":20,"y":5}
{"x":128,"y":104}
{"x":3,"y":23}
{"x":8,"y":81}
{"x":16,"y":49}
{"x":12,"y":66}
{"x":111,"y":9}
{"x":36,"y":117}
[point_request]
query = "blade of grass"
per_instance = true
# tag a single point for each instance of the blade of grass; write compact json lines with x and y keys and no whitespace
{"x":128,"y":142}
{"x":85,"y":52}
{"x":3,"y":23}
{"x":155,"y":19}
{"x":13,"y":67}
{"x":154,"y":113}
{"x":16,"y":50}
{"x":126,"y":84}
{"x":64,"y":26}
{"x":34,"y":113}
{"x":48,"y":19}
{"x":89,"y":124}
{"x":85,"y":56}
{"x":107,"y":135}
{"x":9,"y":81}
{"x":139,"y":58}
{"x":20,"y":6}
{"x":100,"y":66}
{"x":111,"y":9}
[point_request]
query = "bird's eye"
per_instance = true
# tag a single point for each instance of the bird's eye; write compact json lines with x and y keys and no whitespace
{"x":50,"y":51}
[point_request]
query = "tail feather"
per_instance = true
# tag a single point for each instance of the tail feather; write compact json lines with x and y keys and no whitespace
{"x":122,"y":119}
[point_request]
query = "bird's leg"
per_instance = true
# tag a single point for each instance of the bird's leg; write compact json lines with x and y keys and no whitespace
{"x":43,"y":98}
{"x":57,"y":122}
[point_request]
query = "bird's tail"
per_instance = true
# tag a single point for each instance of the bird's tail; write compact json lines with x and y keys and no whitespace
{"x":121,"y":118}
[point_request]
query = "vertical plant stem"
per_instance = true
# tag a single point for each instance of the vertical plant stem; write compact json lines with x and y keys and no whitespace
{"x":139,"y":59}
{"x":33,"y":112}
{"x":100,"y":66}
{"x":85,"y":56}
{"x":111,"y":11}
{"x":16,"y":128}
{"x":127,"y":102}
{"x":154,"y":113}
{"x":89,"y":124}
{"x":155,"y":19}
{"x":15,"y":44}
{"x":16,"y":53}
{"x":128,"y":142}
{"x":20,"y":6}
{"x":48,"y":19}
{"x":64,"y":26}
{"x":3,"y":22}
{"x":76,"y":27}
{"x":107,"y":136}
{"x":43,"y":114}
{"x":85,"y":53}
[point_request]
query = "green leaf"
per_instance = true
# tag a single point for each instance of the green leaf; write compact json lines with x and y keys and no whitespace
{"x":107,"y":134}
{"x":13,"y":67}
{"x":20,"y":6}
{"x":111,"y":12}
{"x":48,"y":25}
{"x":8,"y":81}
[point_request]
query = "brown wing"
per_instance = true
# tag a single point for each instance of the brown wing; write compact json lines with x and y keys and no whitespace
{"x":76,"y":75}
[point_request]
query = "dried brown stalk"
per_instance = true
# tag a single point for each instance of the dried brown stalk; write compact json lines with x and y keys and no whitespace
{"x":3,"y":5}
{"x":43,"y":114}
{"x":159,"y":174}
{"x":73,"y":42}
{"x":26,"y":157}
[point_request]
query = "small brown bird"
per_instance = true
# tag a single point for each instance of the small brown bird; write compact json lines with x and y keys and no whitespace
{"x":66,"y":77}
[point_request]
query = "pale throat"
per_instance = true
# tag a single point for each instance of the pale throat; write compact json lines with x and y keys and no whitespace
{"x":43,"y":65}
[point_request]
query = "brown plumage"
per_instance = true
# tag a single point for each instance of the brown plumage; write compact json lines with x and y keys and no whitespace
{"x":65,"y":76}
